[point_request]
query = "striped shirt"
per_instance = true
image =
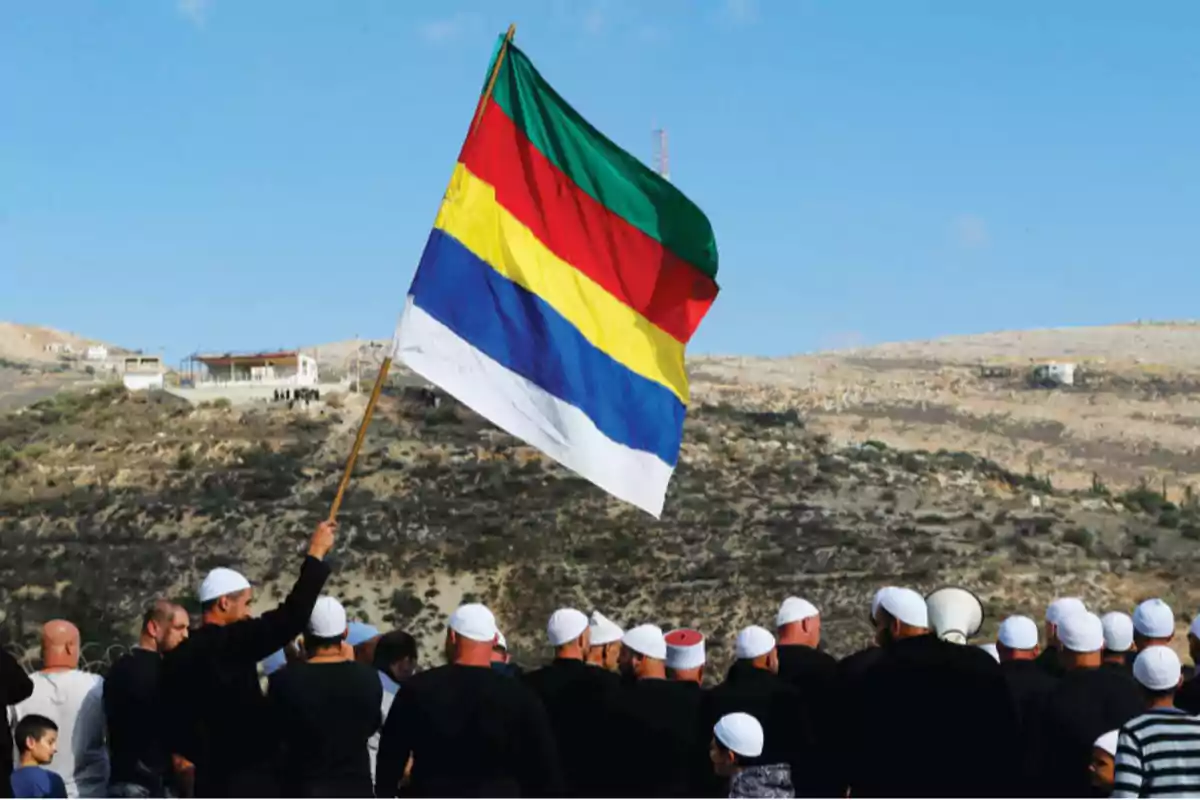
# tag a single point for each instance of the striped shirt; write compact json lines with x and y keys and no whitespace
{"x":1158,"y":755}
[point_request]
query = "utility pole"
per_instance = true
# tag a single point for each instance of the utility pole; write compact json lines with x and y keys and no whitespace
{"x":662,"y":164}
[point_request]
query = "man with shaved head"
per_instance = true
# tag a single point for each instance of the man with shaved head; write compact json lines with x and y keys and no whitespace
{"x":73,"y":699}
{"x":137,"y":717}
{"x":210,"y":681}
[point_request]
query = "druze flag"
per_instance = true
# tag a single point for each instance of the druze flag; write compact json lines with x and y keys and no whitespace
{"x":559,"y":287}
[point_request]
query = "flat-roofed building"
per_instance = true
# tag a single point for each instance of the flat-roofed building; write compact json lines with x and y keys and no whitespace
{"x":283,"y":369}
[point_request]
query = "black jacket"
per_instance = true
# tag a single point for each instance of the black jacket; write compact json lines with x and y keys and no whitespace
{"x":576,"y":696}
{"x":657,"y":723}
{"x":1030,"y":686}
{"x":930,"y":718}
{"x":1086,"y":704}
{"x":471,"y":732}
{"x":15,"y":686}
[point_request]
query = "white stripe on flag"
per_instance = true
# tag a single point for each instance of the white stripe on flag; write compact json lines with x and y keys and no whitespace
{"x":527,"y":411}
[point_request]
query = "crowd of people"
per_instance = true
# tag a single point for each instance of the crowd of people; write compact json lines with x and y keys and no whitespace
{"x":1089,"y":706}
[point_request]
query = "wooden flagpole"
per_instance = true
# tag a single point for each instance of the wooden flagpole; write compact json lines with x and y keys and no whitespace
{"x":386,"y":366}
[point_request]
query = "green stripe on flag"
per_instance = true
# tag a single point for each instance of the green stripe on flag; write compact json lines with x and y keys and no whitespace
{"x":613,"y":177}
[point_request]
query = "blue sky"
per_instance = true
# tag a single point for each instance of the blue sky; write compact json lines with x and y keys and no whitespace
{"x":212,"y":174}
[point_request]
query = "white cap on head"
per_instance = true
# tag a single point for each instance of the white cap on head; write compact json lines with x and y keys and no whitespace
{"x":878,"y":599}
{"x":501,"y":642}
{"x":753,"y":642}
{"x":1108,"y":743}
{"x":647,"y":640}
{"x":604,"y":630}
{"x":1063,"y":607}
{"x":1194,"y":630}
{"x":794,"y":609}
{"x":475,"y":622}
{"x":685,"y":649}
{"x":1118,"y":631}
{"x":1154,"y":619}
{"x":1081,"y":633}
{"x":991,"y":650}
{"x":1018,"y":633}
{"x":907,"y":606}
{"x":1157,"y":668}
{"x":566,"y":625}
{"x":220,"y":582}
{"x":328,"y":618}
{"x":740,"y":733}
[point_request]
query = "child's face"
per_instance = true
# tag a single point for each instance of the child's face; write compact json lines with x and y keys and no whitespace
{"x":43,"y":749}
{"x":1103,"y":769}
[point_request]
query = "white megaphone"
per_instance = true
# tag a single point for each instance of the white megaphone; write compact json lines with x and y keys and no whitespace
{"x":955,"y":614}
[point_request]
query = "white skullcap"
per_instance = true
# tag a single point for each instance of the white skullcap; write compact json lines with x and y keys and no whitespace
{"x":907,"y":606}
{"x":753,"y":642}
{"x":1063,"y":607}
{"x":647,"y":640}
{"x":991,"y":650}
{"x":794,"y":609}
{"x":328,"y":618}
{"x":1118,"y":631}
{"x":604,"y":630}
{"x":220,"y":582}
{"x":501,"y":642}
{"x":1157,"y":668}
{"x":1081,"y":633}
{"x":1154,"y":619}
{"x":1018,"y":633}
{"x":475,"y":622}
{"x":566,"y":625}
{"x":740,"y":733}
{"x":878,"y":599}
{"x":1195,"y":627}
{"x":685,"y":649}
{"x":1108,"y":743}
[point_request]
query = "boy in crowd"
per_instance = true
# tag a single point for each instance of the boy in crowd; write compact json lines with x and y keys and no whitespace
{"x":37,"y":742}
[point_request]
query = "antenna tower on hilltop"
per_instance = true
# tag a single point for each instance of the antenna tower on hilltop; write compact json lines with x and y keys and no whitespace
{"x":661,"y":163}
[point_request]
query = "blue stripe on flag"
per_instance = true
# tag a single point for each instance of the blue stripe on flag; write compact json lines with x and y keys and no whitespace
{"x":520,"y":331}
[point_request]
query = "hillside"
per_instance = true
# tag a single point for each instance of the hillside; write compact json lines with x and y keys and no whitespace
{"x":30,"y":371}
{"x":107,"y":499}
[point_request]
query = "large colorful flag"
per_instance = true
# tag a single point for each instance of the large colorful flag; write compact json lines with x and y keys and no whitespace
{"x":558,"y":289}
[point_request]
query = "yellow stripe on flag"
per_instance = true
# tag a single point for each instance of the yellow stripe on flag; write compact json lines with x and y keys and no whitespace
{"x":471,"y":215}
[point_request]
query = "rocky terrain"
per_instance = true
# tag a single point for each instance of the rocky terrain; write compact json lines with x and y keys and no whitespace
{"x":107,"y":499}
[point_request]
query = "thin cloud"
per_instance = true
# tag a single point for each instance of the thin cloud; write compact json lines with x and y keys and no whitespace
{"x":594,"y":21}
{"x":448,"y":29}
{"x":971,"y":232}
{"x":194,"y":11}
{"x":743,"y":12}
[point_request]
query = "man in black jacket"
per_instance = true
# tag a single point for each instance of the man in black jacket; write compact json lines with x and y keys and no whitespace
{"x":133,"y":708}
{"x":572,"y":692}
{"x":467,"y":730}
{"x":1029,"y":685}
{"x":1088,"y":701}
{"x":930,"y":715}
{"x":814,"y":673}
{"x":15,"y":686}
{"x":218,"y":710}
